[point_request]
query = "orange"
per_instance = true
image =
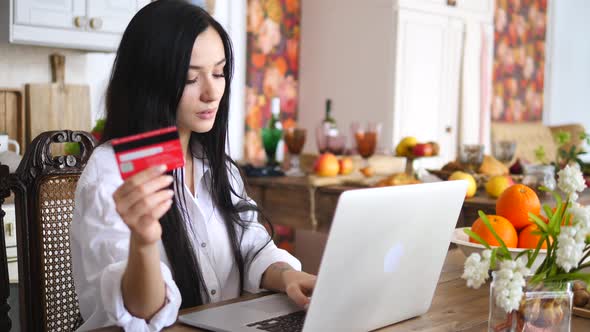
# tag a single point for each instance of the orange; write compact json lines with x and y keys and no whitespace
{"x":501,"y":226}
{"x":516,"y":202}
{"x":529,"y":239}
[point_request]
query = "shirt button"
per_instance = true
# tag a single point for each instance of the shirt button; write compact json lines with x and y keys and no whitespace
{"x":203,"y":245}
{"x":213,"y":292}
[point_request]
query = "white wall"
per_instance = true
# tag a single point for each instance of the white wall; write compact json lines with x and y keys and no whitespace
{"x":567,"y":85}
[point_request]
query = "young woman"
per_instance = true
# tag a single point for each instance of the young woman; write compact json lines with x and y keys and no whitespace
{"x":145,"y":247}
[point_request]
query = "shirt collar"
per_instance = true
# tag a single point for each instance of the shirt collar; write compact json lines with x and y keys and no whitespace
{"x":200,"y":161}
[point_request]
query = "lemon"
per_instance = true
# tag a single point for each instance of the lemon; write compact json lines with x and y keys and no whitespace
{"x":472,"y":185}
{"x":497,"y":184}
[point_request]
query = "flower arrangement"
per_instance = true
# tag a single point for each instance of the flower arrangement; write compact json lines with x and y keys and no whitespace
{"x":566,"y":233}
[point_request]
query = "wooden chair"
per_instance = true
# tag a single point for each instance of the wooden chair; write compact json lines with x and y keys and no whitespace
{"x":44,"y":187}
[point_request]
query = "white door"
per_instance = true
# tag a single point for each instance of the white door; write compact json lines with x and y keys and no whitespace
{"x":50,"y":13}
{"x":428,"y":57}
{"x":112,"y":15}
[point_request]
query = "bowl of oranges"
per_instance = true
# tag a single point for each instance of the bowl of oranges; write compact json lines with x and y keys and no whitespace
{"x":511,"y":223}
{"x":462,"y":241}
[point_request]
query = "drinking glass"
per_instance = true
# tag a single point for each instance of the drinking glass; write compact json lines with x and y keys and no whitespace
{"x":327,"y":141}
{"x":295,"y":140}
{"x":471,"y":156}
{"x":270,"y":140}
{"x":366,"y":138}
{"x":504,"y":151}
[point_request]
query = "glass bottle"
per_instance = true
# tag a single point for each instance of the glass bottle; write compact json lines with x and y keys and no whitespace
{"x":272,"y":134}
{"x":329,"y":123}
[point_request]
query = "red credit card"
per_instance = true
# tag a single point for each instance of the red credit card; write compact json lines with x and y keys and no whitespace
{"x":138,"y":152}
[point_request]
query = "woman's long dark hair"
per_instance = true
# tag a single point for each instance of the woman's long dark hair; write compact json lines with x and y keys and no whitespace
{"x":147,"y":82}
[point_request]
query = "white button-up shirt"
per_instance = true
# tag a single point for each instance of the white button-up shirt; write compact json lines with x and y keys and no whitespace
{"x":100,"y":246}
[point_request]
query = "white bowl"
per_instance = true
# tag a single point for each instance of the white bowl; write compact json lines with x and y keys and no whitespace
{"x":462,"y":241}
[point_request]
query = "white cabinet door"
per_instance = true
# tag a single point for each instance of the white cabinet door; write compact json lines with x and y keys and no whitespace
{"x":428,"y":55}
{"x":49,"y":13}
{"x":112,"y":15}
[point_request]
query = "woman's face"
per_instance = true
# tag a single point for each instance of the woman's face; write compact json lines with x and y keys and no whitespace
{"x":205,"y":84}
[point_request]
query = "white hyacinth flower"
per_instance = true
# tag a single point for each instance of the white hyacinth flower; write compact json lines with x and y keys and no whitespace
{"x":580,"y":215}
{"x":476,"y":269}
{"x":570,"y":246}
{"x":571,"y":180}
{"x":509,"y":282}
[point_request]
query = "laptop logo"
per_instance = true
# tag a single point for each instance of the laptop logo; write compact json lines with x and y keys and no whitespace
{"x":392,"y":258}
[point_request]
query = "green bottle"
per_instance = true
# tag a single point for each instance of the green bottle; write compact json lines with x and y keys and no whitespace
{"x":272,"y":134}
{"x":329,"y":123}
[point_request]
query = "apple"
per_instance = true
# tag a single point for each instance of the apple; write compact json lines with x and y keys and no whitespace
{"x":422,"y":150}
{"x":346,"y":165}
{"x":326,"y":165}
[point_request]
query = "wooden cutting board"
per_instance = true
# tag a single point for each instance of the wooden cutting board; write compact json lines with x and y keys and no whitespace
{"x":12,"y":115}
{"x":56,"y":105}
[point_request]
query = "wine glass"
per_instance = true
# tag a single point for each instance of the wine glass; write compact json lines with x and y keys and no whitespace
{"x":270,"y":141}
{"x":366,"y":138}
{"x":471,"y":156}
{"x":330,"y":141}
{"x":295,"y":140}
{"x":504,"y":151}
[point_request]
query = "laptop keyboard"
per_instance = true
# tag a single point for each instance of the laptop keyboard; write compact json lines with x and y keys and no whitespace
{"x":292,"y":322}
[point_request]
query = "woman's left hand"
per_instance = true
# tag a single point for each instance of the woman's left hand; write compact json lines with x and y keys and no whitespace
{"x":299,"y":286}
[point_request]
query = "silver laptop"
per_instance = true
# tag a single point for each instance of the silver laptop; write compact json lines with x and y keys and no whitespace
{"x":381,"y":265}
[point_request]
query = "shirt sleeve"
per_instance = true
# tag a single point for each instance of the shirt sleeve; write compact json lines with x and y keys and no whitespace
{"x":99,"y":247}
{"x":257,"y":247}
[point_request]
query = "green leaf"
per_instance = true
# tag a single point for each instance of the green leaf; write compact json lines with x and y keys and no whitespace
{"x":538,"y":221}
{"x":522,"y":253}
{"x":557,"y":198}
{"x":548,"y":211}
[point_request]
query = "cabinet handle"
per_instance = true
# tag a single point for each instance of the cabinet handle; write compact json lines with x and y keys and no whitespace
{"x":96,"y":23}
{"x":8,"y":229}
{"x":449,"y":129}
{"x":80,"y":21}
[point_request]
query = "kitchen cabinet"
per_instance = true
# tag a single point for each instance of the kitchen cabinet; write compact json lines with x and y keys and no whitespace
{"x":88,"y":25}
{"x":404,"y":63}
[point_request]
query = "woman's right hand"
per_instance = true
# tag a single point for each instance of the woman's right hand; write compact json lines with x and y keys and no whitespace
{"x":142,"y":200}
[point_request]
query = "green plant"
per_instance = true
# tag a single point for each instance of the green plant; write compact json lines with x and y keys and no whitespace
{"x":564,"y":154}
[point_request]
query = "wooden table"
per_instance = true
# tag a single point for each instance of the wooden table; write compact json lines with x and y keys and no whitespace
{"x":289,"y":201}
{"x":454,"y":307}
